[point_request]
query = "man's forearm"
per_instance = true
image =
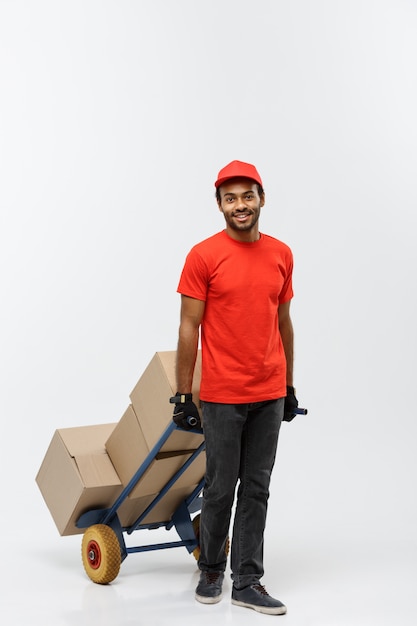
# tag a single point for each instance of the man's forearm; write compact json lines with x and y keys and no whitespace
{"x":186,"y":358}
{"x":287,"y":336}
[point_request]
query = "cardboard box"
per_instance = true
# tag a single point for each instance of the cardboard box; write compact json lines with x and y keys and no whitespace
{"x":150,"y":401}
{"x":162,"y":512}
{"x":77,"y":475}
{"x":128,"y":449}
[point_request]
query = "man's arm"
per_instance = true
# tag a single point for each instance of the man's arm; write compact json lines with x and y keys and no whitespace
{"x":287,"y":336}
{"x":192,"y":312}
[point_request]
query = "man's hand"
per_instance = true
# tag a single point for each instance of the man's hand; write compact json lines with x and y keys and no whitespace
{"x":186,"y":413}
{"x":291,"y":403}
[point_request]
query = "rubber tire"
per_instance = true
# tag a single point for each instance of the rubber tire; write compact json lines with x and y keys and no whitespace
{"x":100,"y":552}
{"x":196,"y":527}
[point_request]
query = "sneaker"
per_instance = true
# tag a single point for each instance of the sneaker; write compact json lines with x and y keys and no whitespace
{"x":209,"y":589}
{"x":257,"y":598}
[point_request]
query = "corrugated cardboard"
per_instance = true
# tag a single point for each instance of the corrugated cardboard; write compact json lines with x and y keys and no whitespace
{"x":162,"y":512}
{"x":150,"y":401}
{"x":77,"y":475}
{"x":128,"y":449}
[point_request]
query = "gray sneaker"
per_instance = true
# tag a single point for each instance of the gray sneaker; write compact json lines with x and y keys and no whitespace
{"x":209,"y":588}
{"x":257,"y":598}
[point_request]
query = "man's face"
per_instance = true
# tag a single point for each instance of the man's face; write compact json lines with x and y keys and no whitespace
{"x":241,"y":205}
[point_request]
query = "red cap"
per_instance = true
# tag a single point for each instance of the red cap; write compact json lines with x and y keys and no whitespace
{"x":238,"y":169}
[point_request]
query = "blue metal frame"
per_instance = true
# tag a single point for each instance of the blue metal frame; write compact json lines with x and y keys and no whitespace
{"x":181,"y":518}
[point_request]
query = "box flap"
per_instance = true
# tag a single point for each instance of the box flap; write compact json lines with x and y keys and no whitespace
{"x":96,"y":470}
{"x":81,"y":440}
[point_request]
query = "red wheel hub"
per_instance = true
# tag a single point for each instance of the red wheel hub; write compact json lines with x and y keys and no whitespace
{"x":94,"y":554}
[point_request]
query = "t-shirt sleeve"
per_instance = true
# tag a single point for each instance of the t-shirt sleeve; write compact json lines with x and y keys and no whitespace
{"x":194,"y":277}
{"x":286,"y":292}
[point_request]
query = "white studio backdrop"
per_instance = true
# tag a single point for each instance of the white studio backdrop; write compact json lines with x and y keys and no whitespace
{"x":114,"y":120}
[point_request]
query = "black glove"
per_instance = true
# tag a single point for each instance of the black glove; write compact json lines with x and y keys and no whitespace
{"x":186,"y":414}
{"x":291,"y":403}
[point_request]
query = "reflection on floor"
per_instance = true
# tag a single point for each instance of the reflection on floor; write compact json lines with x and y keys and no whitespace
{"x":325,"y":584}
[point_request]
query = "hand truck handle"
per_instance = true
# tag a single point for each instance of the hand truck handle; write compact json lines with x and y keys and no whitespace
{"x":300,"y":411}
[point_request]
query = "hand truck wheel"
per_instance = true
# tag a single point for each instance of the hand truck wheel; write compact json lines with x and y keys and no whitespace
{"x":101,"y":556}
{"x":196,"y":527}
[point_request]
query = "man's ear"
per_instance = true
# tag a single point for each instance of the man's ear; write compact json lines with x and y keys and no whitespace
{"x":262,"y":199}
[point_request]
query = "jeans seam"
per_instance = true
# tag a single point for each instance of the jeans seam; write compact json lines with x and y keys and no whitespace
{"x":244,"y":507}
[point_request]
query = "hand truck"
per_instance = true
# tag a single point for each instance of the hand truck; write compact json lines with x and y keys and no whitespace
{"x":103,"y":545}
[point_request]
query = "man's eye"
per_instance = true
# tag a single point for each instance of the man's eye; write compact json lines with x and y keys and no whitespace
{"x":249,"y":196}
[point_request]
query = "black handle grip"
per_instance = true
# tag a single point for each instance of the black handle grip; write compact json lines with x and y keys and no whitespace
{"x":300,"y":411}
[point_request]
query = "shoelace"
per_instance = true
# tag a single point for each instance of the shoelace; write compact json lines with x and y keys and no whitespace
{"x":261,"y":589}
{"x":212,"y":577}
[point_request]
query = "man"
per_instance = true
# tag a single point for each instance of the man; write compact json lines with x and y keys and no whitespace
{"x":236,"y":286}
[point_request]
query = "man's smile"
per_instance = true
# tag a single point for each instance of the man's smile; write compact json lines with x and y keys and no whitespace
{"x":242,"y":215}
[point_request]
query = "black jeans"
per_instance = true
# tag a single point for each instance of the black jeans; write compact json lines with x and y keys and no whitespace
{"x":241,"y":442}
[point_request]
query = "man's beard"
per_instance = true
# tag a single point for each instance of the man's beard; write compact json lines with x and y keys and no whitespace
{"x":254,"y":217}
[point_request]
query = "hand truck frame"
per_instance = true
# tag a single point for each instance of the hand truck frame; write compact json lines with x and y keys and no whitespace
{"x":103,"y":544}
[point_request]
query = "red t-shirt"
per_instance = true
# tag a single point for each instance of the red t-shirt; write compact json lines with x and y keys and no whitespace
{"x":242,"y":285}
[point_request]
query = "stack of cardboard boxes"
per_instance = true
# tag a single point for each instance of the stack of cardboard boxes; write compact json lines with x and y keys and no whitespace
{"x":87,"y":467}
